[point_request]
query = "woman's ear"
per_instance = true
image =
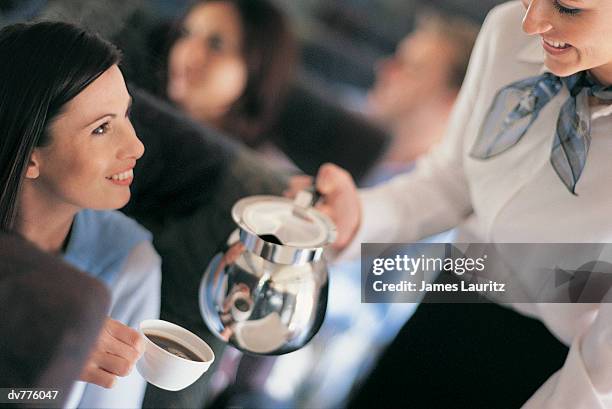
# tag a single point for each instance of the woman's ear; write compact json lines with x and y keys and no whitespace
{"x":33,"y":169}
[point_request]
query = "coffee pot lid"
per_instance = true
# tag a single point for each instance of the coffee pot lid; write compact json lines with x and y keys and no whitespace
{"x":283,"y":230}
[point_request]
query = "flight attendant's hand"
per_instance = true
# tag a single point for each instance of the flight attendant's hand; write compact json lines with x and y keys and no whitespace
{"x":340,"y":200}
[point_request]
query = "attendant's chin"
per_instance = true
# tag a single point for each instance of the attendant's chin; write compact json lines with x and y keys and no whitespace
{"x":561,"y":70}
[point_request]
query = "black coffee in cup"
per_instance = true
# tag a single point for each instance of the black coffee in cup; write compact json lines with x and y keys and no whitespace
{"x":174,"y":347}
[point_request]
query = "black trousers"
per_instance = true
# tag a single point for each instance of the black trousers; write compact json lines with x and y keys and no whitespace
{"x":463,"y":356}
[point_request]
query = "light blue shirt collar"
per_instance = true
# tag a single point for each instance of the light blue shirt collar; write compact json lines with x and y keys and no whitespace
{"x":101,"y":241}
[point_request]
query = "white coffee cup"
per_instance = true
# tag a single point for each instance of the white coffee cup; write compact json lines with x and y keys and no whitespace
{"x":166,"y":370}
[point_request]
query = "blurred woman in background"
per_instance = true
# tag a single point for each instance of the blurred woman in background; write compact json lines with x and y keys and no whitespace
{"x":230,"y":64}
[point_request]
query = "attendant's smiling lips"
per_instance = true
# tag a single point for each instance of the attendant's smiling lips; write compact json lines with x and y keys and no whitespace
{"x":123,"y":178}
{"x":555,"y":47}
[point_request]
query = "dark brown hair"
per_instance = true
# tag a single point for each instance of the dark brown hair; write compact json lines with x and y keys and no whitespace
{"x":44,"y":65}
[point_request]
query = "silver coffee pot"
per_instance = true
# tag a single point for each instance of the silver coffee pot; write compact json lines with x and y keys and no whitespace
{"x":267,"y":293}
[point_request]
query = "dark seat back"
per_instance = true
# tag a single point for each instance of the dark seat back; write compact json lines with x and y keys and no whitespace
{"x":313,"y":130}
{"x":51,"y":315}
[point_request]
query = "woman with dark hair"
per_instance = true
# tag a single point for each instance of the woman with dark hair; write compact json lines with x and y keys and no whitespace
{"x":229,"y":65}
{"x":67,"y":150}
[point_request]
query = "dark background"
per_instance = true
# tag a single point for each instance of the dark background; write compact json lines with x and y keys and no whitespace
{"x":340,"y":39}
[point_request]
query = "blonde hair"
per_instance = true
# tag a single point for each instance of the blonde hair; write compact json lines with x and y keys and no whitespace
{"x":458,"y":31}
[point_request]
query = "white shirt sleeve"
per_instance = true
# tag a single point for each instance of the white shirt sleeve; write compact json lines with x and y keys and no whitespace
{"x":136,"y":297}
{"x":585,"y":380}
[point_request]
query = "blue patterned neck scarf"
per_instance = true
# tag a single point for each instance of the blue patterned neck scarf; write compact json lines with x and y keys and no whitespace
{"x":517,"y":106}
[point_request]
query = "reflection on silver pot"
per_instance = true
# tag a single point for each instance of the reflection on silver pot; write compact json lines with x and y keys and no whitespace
{"x":267,"y":294}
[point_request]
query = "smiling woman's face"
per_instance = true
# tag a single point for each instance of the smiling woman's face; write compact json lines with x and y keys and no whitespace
{"x":576,"y":35}
{"x":93,"y":149}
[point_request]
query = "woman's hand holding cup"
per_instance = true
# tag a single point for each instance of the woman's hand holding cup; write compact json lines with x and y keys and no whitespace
{"x":115,"y":354}
{"x":340,"y":200}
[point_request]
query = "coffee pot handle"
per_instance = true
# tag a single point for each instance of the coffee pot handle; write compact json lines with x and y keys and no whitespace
{"x":307,"y":197}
